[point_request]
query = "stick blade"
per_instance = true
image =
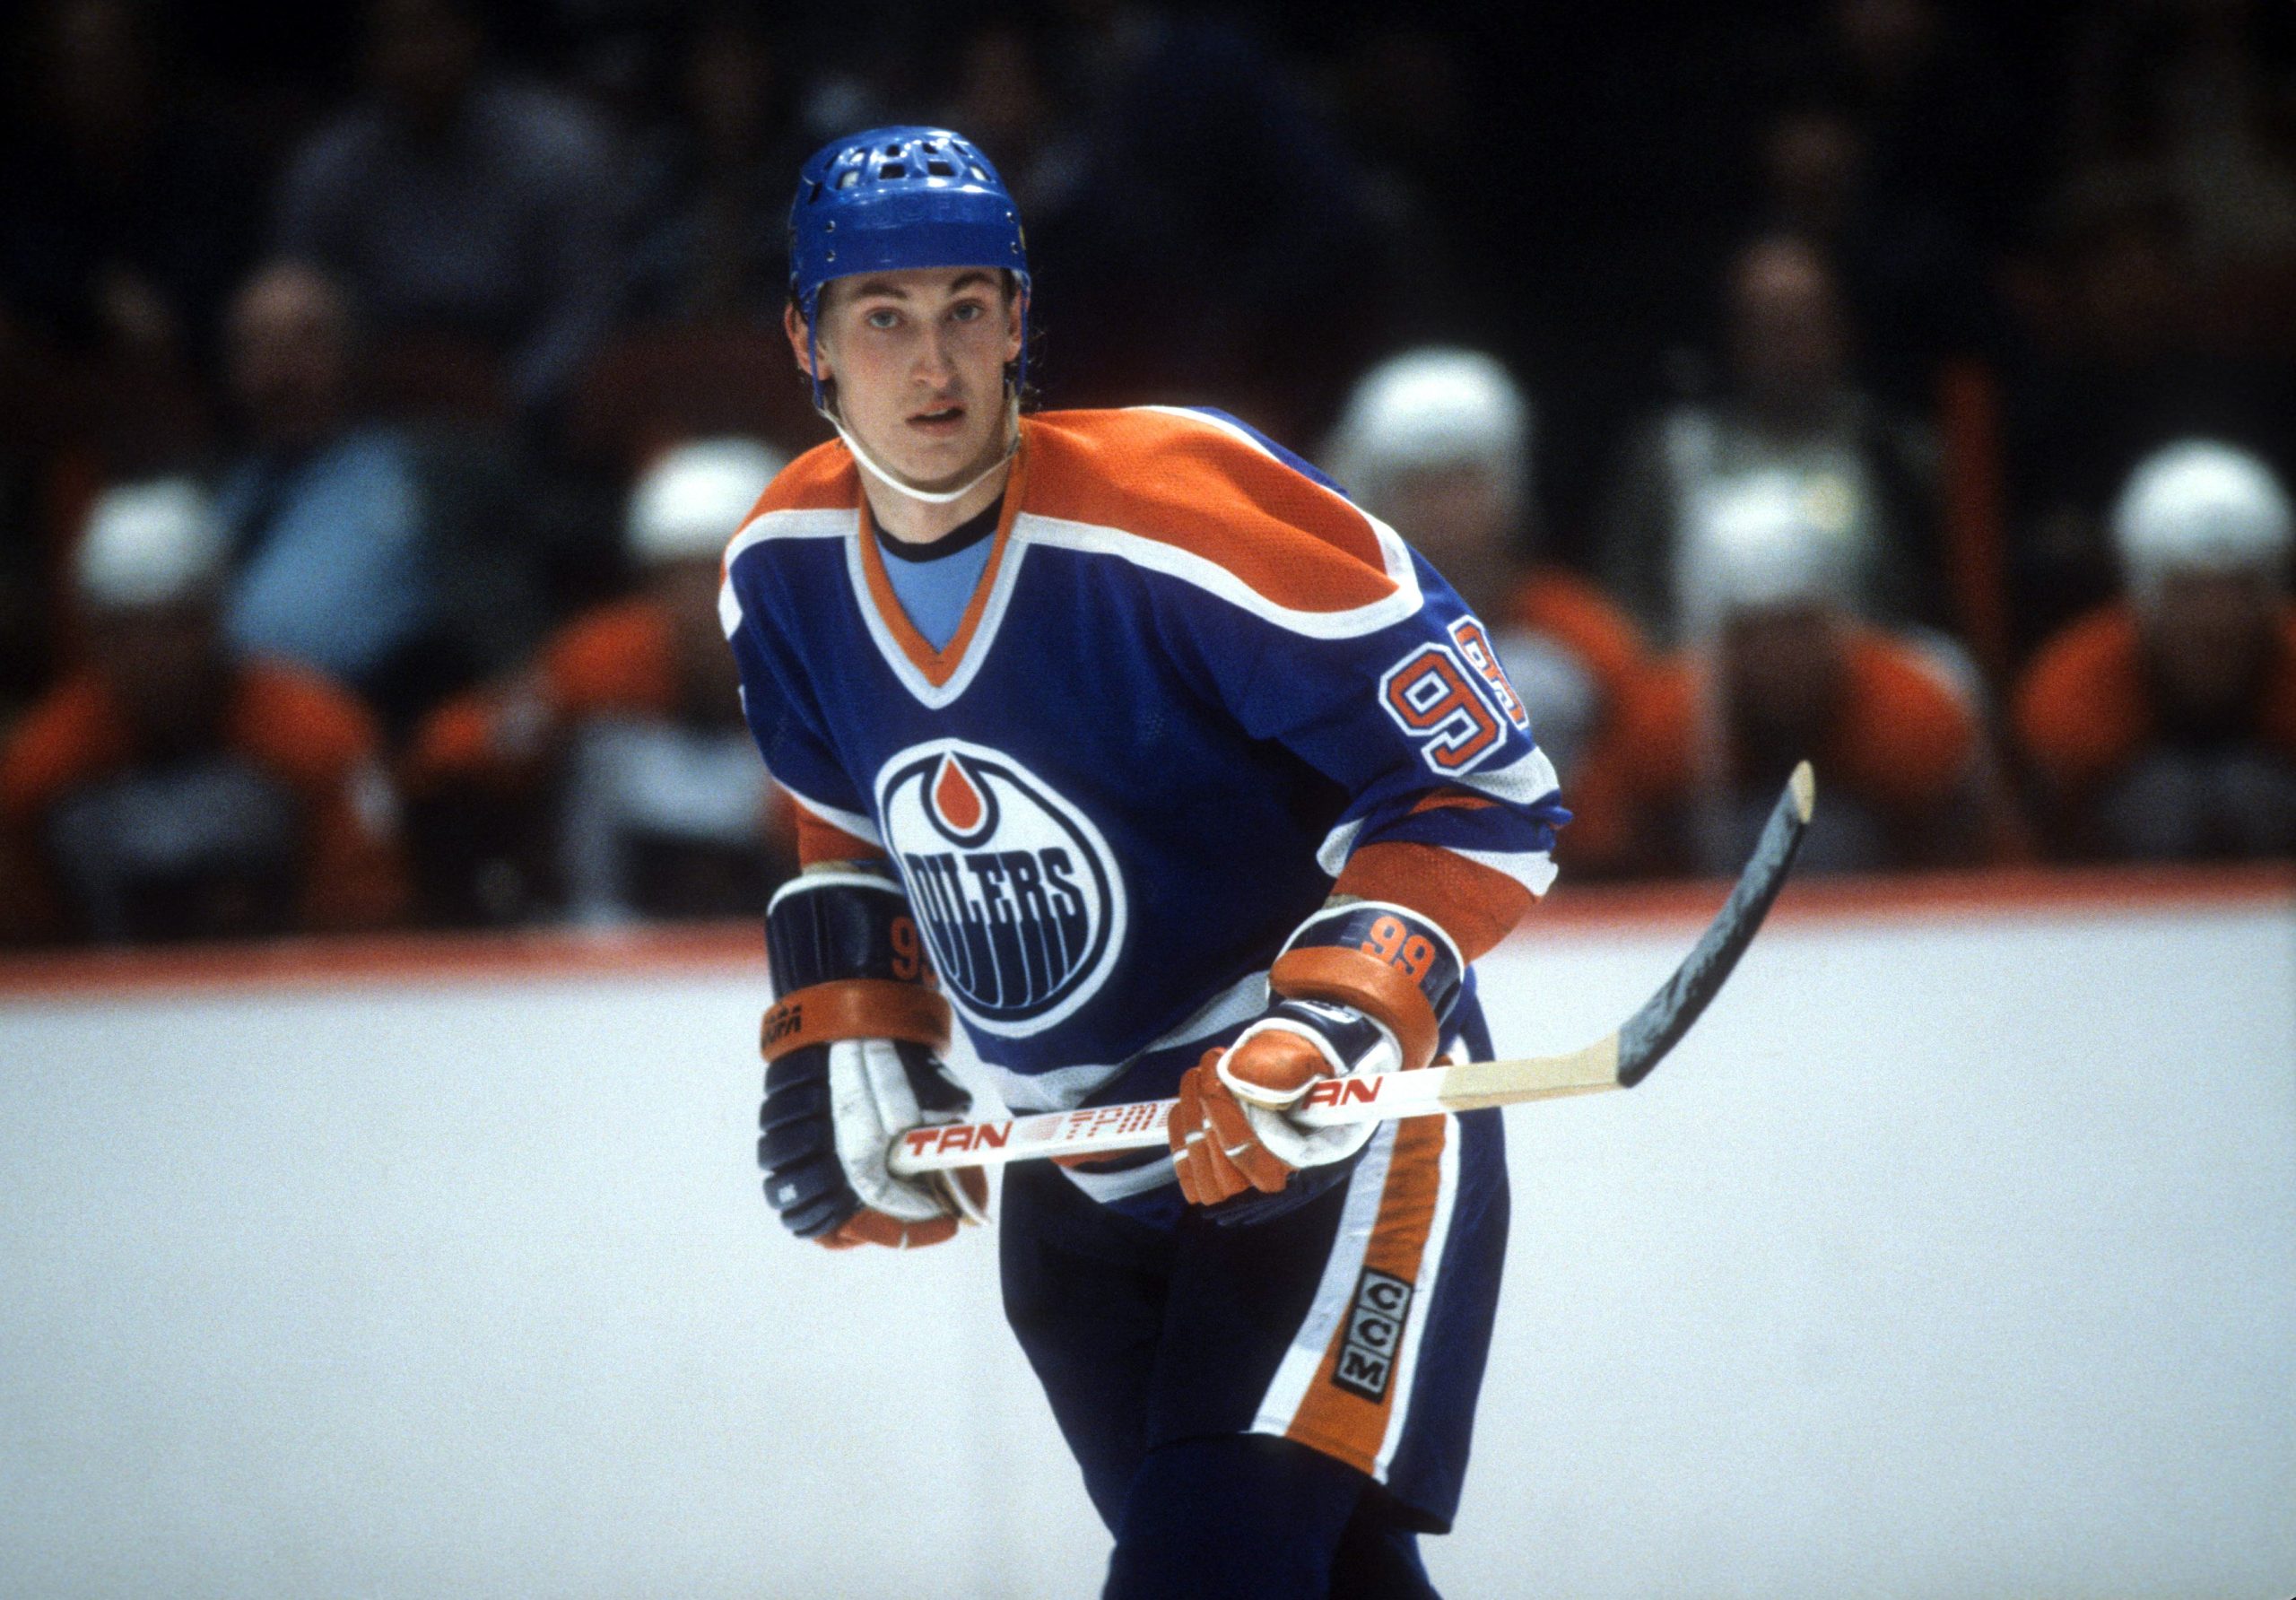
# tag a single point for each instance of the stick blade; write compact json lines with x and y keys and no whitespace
{"x":1659,"y":1025}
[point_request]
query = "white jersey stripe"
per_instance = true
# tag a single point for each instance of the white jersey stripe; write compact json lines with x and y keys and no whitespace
{"x":845,"y":821}
{"x":1524,"y":781}
{"x":1533,"y":869}
{"x":1088,"y":538}
{"x":1338,"y":845}
{"x":831,"y":524}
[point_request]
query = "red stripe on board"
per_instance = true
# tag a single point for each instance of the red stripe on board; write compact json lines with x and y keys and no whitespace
{"x":739,"y":947}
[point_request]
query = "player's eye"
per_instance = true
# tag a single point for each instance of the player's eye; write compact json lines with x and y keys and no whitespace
{"x":883,"y":317}
{"x":967,"y":311}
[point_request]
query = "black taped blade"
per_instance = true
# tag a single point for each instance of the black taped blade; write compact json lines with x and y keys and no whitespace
{"x":1659,"y":1025}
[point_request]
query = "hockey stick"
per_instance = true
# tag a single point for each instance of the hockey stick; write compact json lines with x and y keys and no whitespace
{"x":1618,"y":1060}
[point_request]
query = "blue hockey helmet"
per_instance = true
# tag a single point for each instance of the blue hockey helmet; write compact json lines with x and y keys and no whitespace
{"x":891,"y":198}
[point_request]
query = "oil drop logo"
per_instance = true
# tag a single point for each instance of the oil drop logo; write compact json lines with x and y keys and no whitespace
{"x":1019,"y":897}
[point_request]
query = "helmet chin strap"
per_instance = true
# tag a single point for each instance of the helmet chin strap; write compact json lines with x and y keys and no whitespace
{"x":933,"y":497}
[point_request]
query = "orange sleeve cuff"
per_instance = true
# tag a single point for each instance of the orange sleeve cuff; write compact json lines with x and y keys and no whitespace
{"x":1476,"y":905}
{"x":818,"y":841}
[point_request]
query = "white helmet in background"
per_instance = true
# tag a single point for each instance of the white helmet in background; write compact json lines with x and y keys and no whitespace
{"x":2198,"y":506}
{"x":690,"y":502}
{"x":1434,"y":408}
{"x":148,"y":544}
{"x":1768,"y":539}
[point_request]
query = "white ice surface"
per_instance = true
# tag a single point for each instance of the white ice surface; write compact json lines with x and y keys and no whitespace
{"x":1946,"y":1258}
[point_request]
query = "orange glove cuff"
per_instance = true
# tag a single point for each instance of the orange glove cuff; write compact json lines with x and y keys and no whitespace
{"x":1371,"y":986}
{"x":855,"y":1008}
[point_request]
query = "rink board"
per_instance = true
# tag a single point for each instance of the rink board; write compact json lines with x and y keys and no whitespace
{"x":1953,"y":1255}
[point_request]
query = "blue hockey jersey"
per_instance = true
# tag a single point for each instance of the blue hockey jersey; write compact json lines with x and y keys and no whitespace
{"x":1196,"y":686}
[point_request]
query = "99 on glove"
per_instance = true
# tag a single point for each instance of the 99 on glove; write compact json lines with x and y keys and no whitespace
{"x":852,"y":1051}
{"x":1359,"y":989}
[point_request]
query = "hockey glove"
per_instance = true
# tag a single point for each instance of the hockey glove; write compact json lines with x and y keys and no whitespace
{"x":852,"y":1051}
{"x":1359,"y":989}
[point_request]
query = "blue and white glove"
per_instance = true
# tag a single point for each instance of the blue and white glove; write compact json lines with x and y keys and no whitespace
{"x":852,"y":1049}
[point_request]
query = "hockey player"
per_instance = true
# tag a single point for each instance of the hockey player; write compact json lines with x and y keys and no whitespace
{"x":625,"y":732}
{"x":2164,"y":727}
{"x":1127,"y":738}
{"x":1784,"y":663}
{"x":168,"y":789}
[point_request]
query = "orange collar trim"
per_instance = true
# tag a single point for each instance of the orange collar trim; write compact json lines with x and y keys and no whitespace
{"x":938,"y":667}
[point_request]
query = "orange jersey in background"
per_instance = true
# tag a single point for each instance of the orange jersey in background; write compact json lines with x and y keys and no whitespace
{"x":1903,"y":744}
{"x":1580,"y":619}
{"x":613,"y":660}
{"x":294,"y":728}
{"x":2084,"y":711}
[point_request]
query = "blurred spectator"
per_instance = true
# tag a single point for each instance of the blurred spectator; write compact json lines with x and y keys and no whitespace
{"x":1790,"y":405}
{"x":711,"y":187}
{"x":125,"y":209}
{"x":452,"y":200}
{"x":168,"y":790}
{"x":355,"y":551}
{"x":624,"y":741}
{"x":2164,"y":727}
{"x":1787,"y":670}
{"x":1437,"y":443}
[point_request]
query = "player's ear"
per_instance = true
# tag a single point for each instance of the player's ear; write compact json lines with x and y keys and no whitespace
{"x":793,"y":325}
{"x":1016,"y":306}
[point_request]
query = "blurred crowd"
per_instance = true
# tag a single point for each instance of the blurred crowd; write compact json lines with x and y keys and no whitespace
{"x":1905,"y":384}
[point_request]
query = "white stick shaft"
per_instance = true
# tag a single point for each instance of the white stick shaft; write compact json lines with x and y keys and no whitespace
{"x":1107,"y":1130}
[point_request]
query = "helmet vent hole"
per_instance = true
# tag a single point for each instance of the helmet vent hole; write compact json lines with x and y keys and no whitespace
{"x":979,"y":175}
{"x":939,"y":168}
{"x":847,"y":178}
{"x":892,"y":169}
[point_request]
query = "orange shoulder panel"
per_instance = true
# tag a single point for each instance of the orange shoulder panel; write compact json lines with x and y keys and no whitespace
{"x":2081,"y":708}
{"x":615,"y":658}
{"x":823,"y":478}
{"x":1905,"y":739}
{"x":1202,"y":489}
{"x":74,"y":735}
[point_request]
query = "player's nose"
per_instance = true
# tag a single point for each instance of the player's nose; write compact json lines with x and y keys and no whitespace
{"x":933,"y":365}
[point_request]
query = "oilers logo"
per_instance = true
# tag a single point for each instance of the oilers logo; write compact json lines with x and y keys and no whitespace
{"x":1018,"y":895}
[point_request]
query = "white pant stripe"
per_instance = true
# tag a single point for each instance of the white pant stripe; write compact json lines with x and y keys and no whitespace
{"x":1423,"y":1300}
{"x":1365,"y":1186}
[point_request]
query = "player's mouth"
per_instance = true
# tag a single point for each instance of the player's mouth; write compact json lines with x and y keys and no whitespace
{"x":940,"y":423}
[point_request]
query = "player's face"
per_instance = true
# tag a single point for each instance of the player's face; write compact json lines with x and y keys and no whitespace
{"x":918,"y":358}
